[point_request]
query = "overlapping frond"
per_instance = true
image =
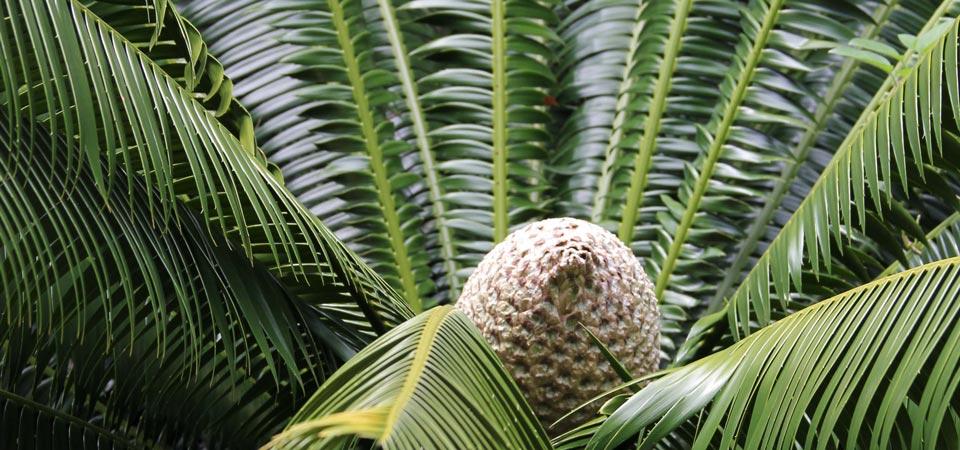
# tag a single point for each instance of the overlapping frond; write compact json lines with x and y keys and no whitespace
{"x":93,"y":288}
{"x":875,"y":367}
{"x":82,"y":78}
{"x":882,"y":157}
{"x":846,"y":94}
{"x":430,"y":383}
{"x":683,"y":164}
{"x":364,"y":178}
{"x":174,"y":44}
{"x":738,"y":149}
{"x":246,"y":38}
{"x":487,"y":100}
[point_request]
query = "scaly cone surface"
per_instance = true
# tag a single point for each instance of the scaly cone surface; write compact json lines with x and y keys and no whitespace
{"x":530,"y":292}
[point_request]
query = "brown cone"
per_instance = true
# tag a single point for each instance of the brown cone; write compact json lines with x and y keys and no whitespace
{"x":530,"y":292}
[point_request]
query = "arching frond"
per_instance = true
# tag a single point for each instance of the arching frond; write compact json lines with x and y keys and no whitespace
{"x":845,"y":97}
{"x":887,"y":133}
{"x":431,"y":383}
{"x":618,"y":68}
{"x":872,"y":368}
{"x":246,"y":37}
{"x":487,"y":103}
{"x":762,"y":88}
{"x":92,"y":288}
{"x":87,"y":79}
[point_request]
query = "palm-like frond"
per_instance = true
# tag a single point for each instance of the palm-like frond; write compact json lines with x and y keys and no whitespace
{"x":367,"y":170}
{"x":180,"y":149}
{"x":483,"y":79}
{"x":760,"y":107}
{"x":408,"y":130}
{"x":249,"y":38}
{"x":483,"y":83}
{"x":168,"y":276}
{"x":334,"y":161}
{"x":183,"y":308}
{"x":872,"y":368}
{"x":846,"y":95}
{"x":867,"y":166}
{"x":304,"y":138}
{"x":618,"y":65}
{"x":152,"y":252}
{"x":432,"y":382}
{"x":247,"y":41}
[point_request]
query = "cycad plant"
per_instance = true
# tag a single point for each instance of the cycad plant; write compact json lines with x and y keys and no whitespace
{"x":233,"y":224}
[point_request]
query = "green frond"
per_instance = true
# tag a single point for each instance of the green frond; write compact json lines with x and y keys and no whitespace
{"x":942,"y":242}
{"x":432,"y":382}
{"x":421,"y":130}
{"x":844,"y":95}
{"x":765,"y":48}
{"x":871,"y":368}
{"x":174,"y":44}
{"x":339,"y":57}
{"x":485,"y":100}
{"x":83,"y":277}
{"x":247,"y":41}
{"x":365,"y":156}
{"x":870,"y":164}
{"x":608,"y":69}
{"x":209,"y":210}
{"x":627,"y":70}
{"x":99,"y":86}
{"x":418,"y":130}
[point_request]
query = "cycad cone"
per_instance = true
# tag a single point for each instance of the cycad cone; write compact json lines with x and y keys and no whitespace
{"x":530,"y":292}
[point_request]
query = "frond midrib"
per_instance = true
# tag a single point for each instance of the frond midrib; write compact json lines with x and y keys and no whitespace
{"x":418,"y":364}
{"x":377,"y":164}
{"x":652,"y":123}
{"x":718,"y":140}
{"x":498,"y":32}
{"x":612,"y":150}
{"x":421,"y":130}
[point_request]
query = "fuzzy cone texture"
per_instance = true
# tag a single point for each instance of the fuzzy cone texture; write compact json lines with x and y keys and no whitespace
{"x":530,"y":292}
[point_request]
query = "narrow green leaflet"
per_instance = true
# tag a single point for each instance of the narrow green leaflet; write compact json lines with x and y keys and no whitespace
{"x":618,"y":88}
{"x":486,"y":98}
{"x":724,"y":178}
{"x":432,"y":383}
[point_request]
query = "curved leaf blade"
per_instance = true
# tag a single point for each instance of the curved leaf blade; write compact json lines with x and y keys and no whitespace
{"x":432,"y":382}
{"x":865,"y":367}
